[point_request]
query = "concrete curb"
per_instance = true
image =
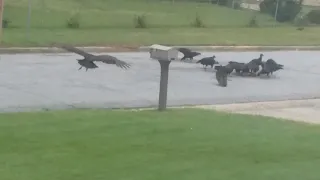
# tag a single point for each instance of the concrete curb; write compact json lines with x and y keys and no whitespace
{"x":96,"y":49}
{"x":246,"y":48}
{"x":237,"y":107}
{"x":269,"y":105}
{"x":99,"y":49}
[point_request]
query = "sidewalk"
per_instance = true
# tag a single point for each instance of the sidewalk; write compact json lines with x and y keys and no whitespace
{"x":307,"y":111}
{"x":99,"y":49}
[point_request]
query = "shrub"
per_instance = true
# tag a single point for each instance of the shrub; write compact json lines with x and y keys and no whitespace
{"x":140,"y":21}
{"x":198,"y":22}
{"x":314,"y":16}
{"x":287,"y":9}
{"x":301,"y":20}
{"x":253,"y":22}
{"x":5,"y":23}
{"x":74,"y":21}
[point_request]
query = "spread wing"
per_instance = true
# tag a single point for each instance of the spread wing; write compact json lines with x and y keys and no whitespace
{"x":75,"y":50}
{"x":185,"y":51}
{"x":112,"y":60}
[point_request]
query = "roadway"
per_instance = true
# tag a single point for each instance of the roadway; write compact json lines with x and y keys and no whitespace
{"x":52,"y":81}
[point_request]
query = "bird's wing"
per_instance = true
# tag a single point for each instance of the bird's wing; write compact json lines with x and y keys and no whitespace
{"x":112,"y":60}
{"x":184,"y":50}
{"x":75,"y":50}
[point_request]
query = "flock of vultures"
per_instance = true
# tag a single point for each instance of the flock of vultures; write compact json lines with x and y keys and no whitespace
{"x":252,"y":68}
{"x":222,"y":72}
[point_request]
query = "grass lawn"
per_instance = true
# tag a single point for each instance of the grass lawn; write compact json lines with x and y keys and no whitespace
{"x":110,"y":22}
{"x":177,"y":144}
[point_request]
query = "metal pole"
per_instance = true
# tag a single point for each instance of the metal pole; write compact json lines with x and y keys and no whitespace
{"x":163,"y":84}
{"x":1,"y":17}
{"x":276,"y":13}
{"x":28,"y":19}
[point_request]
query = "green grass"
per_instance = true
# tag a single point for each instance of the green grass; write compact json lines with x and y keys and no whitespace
{"x":108,"y":22}
{"x":172,"y":145}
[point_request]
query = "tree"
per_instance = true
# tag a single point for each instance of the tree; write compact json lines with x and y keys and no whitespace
{"x":282,"y":10}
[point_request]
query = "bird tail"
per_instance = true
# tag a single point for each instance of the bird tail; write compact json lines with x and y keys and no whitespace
{"x":280,"y":66}
{"x":199,"y":61}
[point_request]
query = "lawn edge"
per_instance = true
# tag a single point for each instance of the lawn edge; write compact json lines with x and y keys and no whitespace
{"x":101,"y":49}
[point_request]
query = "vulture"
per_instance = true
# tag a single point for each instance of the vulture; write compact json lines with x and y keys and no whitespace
{"x":222,"y":75}
{"x":258,"y":60}
{"x":227,"y":68}
{"x":89,"y":59}
{"x":187,"y":53}
{"x":253,"y":65}
{"x":239,"y":67}
{"x":269,"y":67}
{"x":208,"y":61}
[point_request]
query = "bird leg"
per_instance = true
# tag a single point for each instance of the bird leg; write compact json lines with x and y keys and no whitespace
{"x":80,"y":68}
{"x":86,"y":69}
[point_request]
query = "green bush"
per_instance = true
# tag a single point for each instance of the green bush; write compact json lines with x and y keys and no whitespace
{"x":74,"y":21}
{"x":5,"y":23}
{"x":301,"y":20}
{"x":314,"y":16}
{"x":140,"y":21}
{"x":198,"y":22}
{"x":253,"y":22}
{"x":287,"y":9}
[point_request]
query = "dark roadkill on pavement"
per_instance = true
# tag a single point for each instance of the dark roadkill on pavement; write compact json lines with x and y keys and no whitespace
{"x":40,"y":81}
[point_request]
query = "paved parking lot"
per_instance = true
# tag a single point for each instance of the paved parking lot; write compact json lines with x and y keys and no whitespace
{"x":40,"y":81}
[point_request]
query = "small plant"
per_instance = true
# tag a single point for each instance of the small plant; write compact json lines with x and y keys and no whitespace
{"x":253,"y":22}
{"x":198,"y":22}
{"x":5,"y":23}
{"x":140,"y":21}
{"x":74,"y":21}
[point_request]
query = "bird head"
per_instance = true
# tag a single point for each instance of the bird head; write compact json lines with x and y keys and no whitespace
{"x":217,"y":67}
{"x":196,"y":53}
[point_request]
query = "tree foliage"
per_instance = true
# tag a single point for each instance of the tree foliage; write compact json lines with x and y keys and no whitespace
{"x":314,"y":16}
{"x":287,"y":9}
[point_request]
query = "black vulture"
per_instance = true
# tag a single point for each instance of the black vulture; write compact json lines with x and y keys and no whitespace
{"x":88,"y":61}
{"x":187,"y":53}
{"x":227,"y":68}
{"x":258,"y":60}
{"x":253,"y":65}
{"x":222,"y":75}
{"x":238,"y":67}
{"x":269,"y":67}
{"x":208,"y":61}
